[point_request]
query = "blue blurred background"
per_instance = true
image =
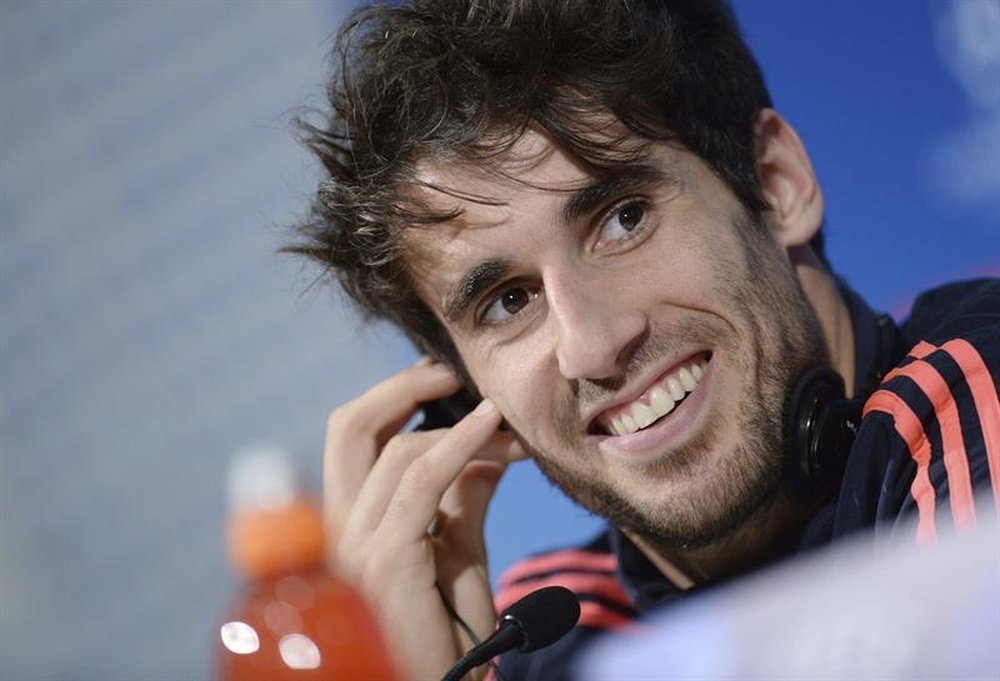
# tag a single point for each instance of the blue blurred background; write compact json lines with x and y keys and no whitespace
{"x":148,"y":331}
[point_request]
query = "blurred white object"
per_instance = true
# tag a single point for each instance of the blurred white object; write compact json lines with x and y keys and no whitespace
{"x":850,"y":612}
{"x":261,"y":477}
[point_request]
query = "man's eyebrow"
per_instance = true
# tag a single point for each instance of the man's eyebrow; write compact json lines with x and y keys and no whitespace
{"x":587,"y":199}
{"x":477,"y":279}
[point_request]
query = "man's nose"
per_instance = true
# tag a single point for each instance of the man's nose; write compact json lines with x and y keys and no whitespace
{"x":598,"y":326}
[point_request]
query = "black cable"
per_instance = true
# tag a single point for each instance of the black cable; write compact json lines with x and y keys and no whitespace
{"x":457,"y":619}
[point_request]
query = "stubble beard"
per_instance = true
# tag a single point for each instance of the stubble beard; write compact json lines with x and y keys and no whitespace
{"x":723,"y":495}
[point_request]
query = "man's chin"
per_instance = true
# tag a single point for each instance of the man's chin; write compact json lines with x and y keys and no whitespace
{"x":679,"y":501}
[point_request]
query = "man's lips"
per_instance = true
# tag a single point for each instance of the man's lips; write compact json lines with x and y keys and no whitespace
{"x":657,"y":399}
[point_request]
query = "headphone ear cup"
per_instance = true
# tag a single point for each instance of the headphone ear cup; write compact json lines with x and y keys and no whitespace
{"x":820,"y":426}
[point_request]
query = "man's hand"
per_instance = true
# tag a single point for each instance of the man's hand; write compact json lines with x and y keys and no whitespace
{"x":406,"y":510}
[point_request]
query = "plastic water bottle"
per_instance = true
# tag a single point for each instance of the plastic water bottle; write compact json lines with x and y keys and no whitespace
{"x":293,"y":620}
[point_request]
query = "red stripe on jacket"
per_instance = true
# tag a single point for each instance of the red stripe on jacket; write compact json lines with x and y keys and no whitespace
{"x":912,"y":431}
{"x":606,"y":587}
{"x":984,"y":396}
{"x":570,"y":559}
{"x":956,"y":459}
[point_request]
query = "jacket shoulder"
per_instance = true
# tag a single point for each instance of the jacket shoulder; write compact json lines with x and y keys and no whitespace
{"x":955,"y":309}
{"x":590,"y":571}
{"x":934,"y":422}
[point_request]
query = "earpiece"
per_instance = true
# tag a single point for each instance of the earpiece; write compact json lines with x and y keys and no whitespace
{"x":448,"y":411}
{"x":821,"y":422}
{"x":820,"y":427}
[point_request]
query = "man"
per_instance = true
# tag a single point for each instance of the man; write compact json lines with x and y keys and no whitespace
{"x":588,"y":214}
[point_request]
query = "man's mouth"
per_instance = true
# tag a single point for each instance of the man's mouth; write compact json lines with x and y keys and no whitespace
{"x":657,"y":402}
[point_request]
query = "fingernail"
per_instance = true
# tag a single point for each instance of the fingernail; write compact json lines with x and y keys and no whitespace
{"x":424,"y":361}
{"x":442,"y":368}
{"x":485,"y":408}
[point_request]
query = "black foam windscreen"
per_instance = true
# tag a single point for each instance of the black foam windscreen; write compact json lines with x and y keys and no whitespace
{"x":544,"y":616}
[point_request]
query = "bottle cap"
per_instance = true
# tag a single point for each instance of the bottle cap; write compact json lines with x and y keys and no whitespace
{"x":273,"y":527}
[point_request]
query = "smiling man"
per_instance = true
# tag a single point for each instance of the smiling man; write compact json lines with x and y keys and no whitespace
{"x":639,"y":331}
{"x":590,"y":217}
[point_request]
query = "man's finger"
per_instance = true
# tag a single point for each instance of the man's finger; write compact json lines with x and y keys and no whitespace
{"x":357,"y":431}
{"x":422,"y":485}
{"x":383,"y":481}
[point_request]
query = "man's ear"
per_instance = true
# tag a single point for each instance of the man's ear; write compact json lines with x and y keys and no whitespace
{"x":787,"y":179}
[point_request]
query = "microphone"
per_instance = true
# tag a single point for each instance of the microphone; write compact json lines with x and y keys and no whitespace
{"x":539,"y":619}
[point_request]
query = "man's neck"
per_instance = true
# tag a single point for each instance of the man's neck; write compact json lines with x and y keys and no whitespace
{"x":832,"y":312}
{"x":743,"y":548}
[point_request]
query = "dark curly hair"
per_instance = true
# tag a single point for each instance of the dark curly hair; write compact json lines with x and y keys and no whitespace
{"x":463,"y":79}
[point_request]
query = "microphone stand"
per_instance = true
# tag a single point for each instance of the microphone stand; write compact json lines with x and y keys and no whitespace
{"x":506,"y":638}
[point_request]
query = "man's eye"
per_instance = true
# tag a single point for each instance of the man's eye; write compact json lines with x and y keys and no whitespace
{"x":508,"y":304}
{"x":623,"y":222}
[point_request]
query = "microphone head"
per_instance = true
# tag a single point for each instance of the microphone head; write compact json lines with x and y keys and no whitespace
{"x":543,"y":616}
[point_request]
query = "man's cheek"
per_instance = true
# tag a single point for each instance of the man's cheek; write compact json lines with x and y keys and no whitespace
{"x":514,"y":401}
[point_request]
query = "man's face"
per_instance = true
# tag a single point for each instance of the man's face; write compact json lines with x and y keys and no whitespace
{"x":639,"y":333}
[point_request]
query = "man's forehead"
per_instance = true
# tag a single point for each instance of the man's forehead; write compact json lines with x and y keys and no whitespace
{"x":456,"y":184}
{"x":477,"y":196}
{"x":533,"y":175}
{"x":437,"y":254}
{"x":532,"y":160}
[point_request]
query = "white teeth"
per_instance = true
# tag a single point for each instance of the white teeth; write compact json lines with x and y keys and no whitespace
{"x":616,"y":427}
{"x":643,"y":415}
{"x":675,"y":388}
{"x":662,"y":400}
